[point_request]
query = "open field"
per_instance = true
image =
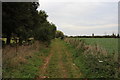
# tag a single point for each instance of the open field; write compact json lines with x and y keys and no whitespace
{"x":110,"y":44}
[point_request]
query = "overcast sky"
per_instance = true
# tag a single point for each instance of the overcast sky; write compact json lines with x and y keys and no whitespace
{"x":75,"y":17}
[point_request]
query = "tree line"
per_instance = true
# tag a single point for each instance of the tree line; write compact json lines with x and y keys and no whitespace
{"x":22,"y":20}
{"x":97,"y":36}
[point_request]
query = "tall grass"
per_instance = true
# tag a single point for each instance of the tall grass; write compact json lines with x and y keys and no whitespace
{"x":23,"y":61}
{"x":93,"y":60}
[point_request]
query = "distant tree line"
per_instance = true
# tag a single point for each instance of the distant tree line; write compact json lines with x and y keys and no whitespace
{"x":93,"y":36}
{"x":22,"y":20}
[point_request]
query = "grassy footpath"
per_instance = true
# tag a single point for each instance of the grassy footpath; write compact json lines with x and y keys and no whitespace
{"x":61,"y":63}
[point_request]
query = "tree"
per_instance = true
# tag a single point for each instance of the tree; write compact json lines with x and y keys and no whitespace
{"x":45,"y":31}
{"x":113,"y":35}
{"x":19,"y":17}
{"x":8,"y":20}
{"x":59,"y":34}
{"x":23,"y":20}
{"x":92,"y":34}
{"x":118,"y":36}
{"x":52,"y":30}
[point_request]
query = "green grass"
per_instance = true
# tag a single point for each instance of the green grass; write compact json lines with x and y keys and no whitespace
{"x":61,"y":62}
{"x":53,"y":68}
{"x":79,"y":62}
{"x":30,"y":69}
{"x":110,"y":44}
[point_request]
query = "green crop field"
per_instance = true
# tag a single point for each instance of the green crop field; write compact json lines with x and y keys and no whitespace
{"x":110,"y":44}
